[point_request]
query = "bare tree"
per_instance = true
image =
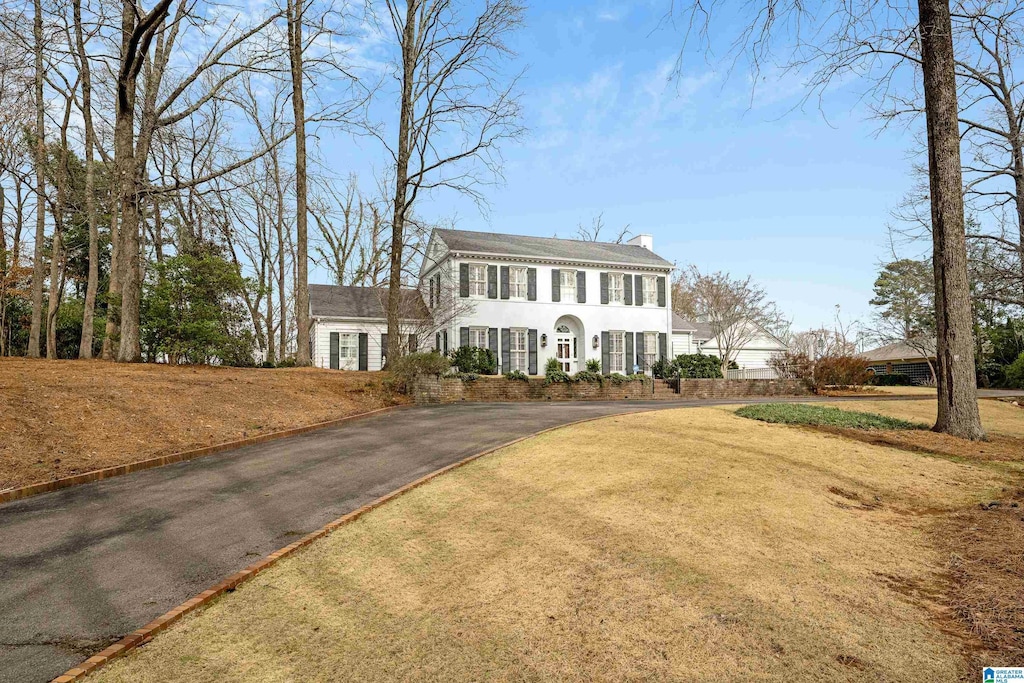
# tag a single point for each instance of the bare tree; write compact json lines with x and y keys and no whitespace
{"x":455,"y":107}
{"x":867,"y":39}
{"x":593,"y":233}
{"x":737,"y":311}
{"x":40,"y":164}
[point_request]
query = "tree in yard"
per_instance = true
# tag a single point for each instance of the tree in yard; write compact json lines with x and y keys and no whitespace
{"x":38,"y":48}
{"x":867,"y":39}
{"x":905,"y":299}
{"x":455,"y":107}
{"x":296,"y":47}
{"x":737,"y":311}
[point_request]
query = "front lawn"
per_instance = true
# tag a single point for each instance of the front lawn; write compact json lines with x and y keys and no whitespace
{"x":823,"y":416}
{"x":685,"y":544}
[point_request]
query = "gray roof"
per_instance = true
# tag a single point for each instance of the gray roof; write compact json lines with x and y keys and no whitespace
{"x":700,"y":330}
{"x":900,"y":352}
{"x":336,"y":301}
{"x":467,"y":241}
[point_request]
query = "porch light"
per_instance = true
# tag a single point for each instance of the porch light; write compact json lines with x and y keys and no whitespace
{"x":596,"y":341}
{"x":543,"y":340}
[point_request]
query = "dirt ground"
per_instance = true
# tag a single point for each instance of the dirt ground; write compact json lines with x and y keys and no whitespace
{"x":59,"y":418}
{"x":681,"y":545}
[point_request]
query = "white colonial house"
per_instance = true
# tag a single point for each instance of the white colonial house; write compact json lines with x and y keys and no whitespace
{"x":527,"y":299}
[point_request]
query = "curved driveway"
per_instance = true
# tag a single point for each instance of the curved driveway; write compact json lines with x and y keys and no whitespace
{"x":81,"y":567}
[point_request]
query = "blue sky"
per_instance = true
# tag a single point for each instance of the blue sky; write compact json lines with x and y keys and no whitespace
{"x":722,"y":179}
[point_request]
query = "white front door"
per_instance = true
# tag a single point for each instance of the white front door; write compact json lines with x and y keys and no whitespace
{"x":565,"y":351}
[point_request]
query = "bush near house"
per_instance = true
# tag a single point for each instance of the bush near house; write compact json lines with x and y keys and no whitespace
{"x":405,"y":369}
{"x":553,"y":372}
{"x":1015,"y":373}
{"x":475,"y":360}
{"x":893,"y":380}
{"x":841,"y":371}
{"x":689,"y":366}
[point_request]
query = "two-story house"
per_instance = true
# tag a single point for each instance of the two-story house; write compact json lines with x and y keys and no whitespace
{"x":527,"y":299}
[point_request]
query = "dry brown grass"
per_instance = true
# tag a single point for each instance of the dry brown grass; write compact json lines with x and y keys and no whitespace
{"x":680,"y":545}
{"x":59,"y":418}
{"x":998,"y":417}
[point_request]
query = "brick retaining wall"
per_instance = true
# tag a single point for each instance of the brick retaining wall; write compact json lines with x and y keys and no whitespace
{"x":497,"y":389}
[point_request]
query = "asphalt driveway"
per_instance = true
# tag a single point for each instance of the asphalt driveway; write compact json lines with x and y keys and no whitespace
{"x":81,"y":567}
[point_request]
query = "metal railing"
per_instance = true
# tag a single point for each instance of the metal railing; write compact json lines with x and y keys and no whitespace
{"x":752,"y":373}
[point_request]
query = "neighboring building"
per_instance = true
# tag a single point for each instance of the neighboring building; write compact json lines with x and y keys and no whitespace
{"x":903,"y":359}
{"x":527,"y":299}
{"x":350,"y":327}
{"x":697,"y":337}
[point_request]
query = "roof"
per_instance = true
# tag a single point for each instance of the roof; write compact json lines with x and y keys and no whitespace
{"x":699,"y":330}
{"x":899,"y":351}
{"x":467,"y":241}
{"x":337,"y":301}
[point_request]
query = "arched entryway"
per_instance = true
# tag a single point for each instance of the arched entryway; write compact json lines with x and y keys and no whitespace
{"x":569,"y":343}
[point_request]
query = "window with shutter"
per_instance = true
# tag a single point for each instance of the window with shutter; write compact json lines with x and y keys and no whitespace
{"x":650,"y":285}
{"x":478,"y":337}
{"x":567,"y":284}
{"x":477,"y":279}
{"x":517,"y":284}
{"x":615,"y":288}
{"x":517,"y":349}
{"x":617,"y":351}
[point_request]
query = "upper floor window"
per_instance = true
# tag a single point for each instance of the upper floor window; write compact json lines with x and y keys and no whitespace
{"x":650,"y":284}
{"x":615,"y":288}
{"x":478,"y":337}
{"x":517,"y":282}
{"x":567,"y":285}
{"x":477,"y":279}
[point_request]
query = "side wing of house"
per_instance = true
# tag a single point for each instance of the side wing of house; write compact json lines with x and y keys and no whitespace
{"x":754,"y":354}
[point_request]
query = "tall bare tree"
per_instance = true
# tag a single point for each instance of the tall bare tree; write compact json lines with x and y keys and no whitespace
{"x":455,"y":106}
{"x":38,"y":266}
{"x":295,"y":13}
{"x":867,"y":39}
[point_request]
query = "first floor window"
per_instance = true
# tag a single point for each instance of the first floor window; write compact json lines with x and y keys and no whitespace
{"x":478,"y":337}
{"x":477,"y":279}
{"x":650,"y":284}
{"x":517,"y":282}
{"x":517,"y":350}
{"x":348,"y":346}
{"x":617,"y":351}
{"x":650,"y":349}
{"x":615,"y":288}
{"x":568,"y":285}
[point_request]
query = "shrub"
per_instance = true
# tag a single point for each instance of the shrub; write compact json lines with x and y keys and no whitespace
{"x":663,"y":369}
{"x":268,"y":364}
{"x":1015,"y":373}
{"x":408,"y":367}
{"x":468,"y":376}
{"x":588,"y":376}
{"x":594,"y":365}
{"x":804,"y":414}
{"x":517,"y":375}
{"x":288,"y":362}
{"x":617,"y":378}
{"x":474,"y":359}
{"x":893,"y":380}
{"x":840,"y":371}
{"x":698,"y":366}
{"x":554,"y":373}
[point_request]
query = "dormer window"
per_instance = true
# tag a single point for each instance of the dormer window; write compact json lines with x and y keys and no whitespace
{"x":477,"y":279}
{"x":567,"y":283}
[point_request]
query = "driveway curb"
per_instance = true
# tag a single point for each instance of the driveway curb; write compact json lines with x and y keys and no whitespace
{"x":147,"y":632}
{"x":159,"y":461}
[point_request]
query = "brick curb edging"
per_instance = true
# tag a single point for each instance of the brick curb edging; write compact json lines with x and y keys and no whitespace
{"x":159,"y":461}
{"x":147,"y":632}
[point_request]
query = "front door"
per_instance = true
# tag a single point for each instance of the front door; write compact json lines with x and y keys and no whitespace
{"x":565,"y":351}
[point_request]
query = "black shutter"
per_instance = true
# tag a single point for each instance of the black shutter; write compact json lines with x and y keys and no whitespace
{"x":463,"y":336}
{"x":492,"y":343}
{"x":492,"y":282}
{"x":532,"y":350}
{"x":639,"y":289}
{"x":556,"y":284}
{"x":606,"y":352}
{"x":364,"y":340}
{"x":640,"y":351}
{"x":383,"y":348}
{"x":661,"y":291}
{"x":463,"y":280}
{"x":581,"y":286}
{"x":431,"y":291}
{"x":531,"y":284}
{"x":413,"y":343}
{"x":506,"y":362}
{"x":335,"y":362}
{"x":504,"y":282}
{"x":628,"y":358}
{"x":444,"y":339}
{"x":604,"y":288}
{"x":437,"y":341}
{"x":663,"y":345}
{"x":627,"y":289}
{"x":437,"y":289}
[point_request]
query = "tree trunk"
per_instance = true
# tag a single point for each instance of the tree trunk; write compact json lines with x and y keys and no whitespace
{"x":957,"y":384}
{"x":4,"y":274}
{"x":111,"y":331}
{"x":295,"y":11}
{"x":89,"y":307}
{"x":409,"y":59}
{"x":53,"y":300}
{"x":40,"y":163}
